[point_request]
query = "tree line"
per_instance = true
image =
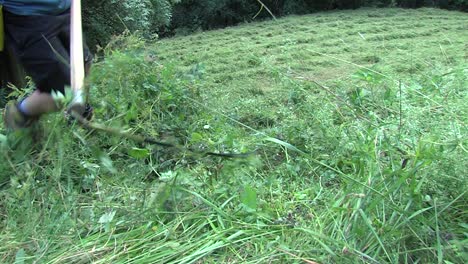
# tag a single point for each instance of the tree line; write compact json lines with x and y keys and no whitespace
{"x":105,"y":18}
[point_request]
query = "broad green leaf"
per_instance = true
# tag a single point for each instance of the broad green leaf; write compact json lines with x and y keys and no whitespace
{"x":139,"y":153}
{"x":107,"y":217}
{"x":107,"y":163}
{"x":131,"y":113}
{"x":196,"y":137}
{"x":249,"y":197}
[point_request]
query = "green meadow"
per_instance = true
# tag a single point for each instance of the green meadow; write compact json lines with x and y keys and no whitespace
{"x":354,"y":130}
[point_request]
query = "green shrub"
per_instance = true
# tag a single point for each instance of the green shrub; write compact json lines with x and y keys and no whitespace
{"x":103,"y":19}
{"x":146,"y":83}
{"x":207,"y":14}
{"x":447,"y":4}
{"x":454,"y":4}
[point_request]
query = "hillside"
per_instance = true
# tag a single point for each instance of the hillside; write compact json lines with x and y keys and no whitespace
{"x":355,"y":122}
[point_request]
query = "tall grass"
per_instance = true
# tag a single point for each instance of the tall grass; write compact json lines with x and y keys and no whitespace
{"x":358,"y":122}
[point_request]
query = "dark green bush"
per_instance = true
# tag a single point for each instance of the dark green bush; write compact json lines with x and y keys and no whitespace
{"x":410,"y":3}
{"x":103,"y":19}
{"x":446,"y":4}
{"x":379,"y":3}
{"x":208,"y":14}
{"x":454,"y":4}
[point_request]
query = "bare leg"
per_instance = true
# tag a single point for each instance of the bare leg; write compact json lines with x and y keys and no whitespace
{"x":38,"y":103}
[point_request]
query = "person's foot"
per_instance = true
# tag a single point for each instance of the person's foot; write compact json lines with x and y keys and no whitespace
{"x":14,"y":119}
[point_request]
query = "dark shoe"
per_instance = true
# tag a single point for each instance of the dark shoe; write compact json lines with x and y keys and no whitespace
{"x":14,"y":119}
{"x":88,"y":113}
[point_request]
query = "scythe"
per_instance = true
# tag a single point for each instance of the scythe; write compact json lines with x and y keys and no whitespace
{"x":77,"y":105}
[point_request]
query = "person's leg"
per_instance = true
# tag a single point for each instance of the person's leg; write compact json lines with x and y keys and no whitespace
{"x":38,"y":103}
{"x":42,"y":45}
{"x":57,"y":74}
{"x":47,"y":63}
{"x":35,"y":42}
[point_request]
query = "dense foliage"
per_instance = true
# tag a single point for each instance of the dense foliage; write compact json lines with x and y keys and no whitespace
{"x":448,"y":4}
{"x":103,"y":19}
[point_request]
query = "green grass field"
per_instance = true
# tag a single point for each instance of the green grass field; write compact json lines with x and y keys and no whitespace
{"x":357,"y":121}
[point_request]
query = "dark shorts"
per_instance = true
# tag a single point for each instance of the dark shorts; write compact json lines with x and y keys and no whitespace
{"x":42,"y":44}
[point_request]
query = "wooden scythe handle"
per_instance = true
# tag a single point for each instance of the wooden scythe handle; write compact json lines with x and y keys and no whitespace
{"x":76,"y":55}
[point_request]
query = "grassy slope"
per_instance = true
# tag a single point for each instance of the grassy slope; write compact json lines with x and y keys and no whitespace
{"x":383,"y":178}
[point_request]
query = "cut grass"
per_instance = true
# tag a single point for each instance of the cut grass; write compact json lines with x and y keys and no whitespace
{"x":358,"y":119}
